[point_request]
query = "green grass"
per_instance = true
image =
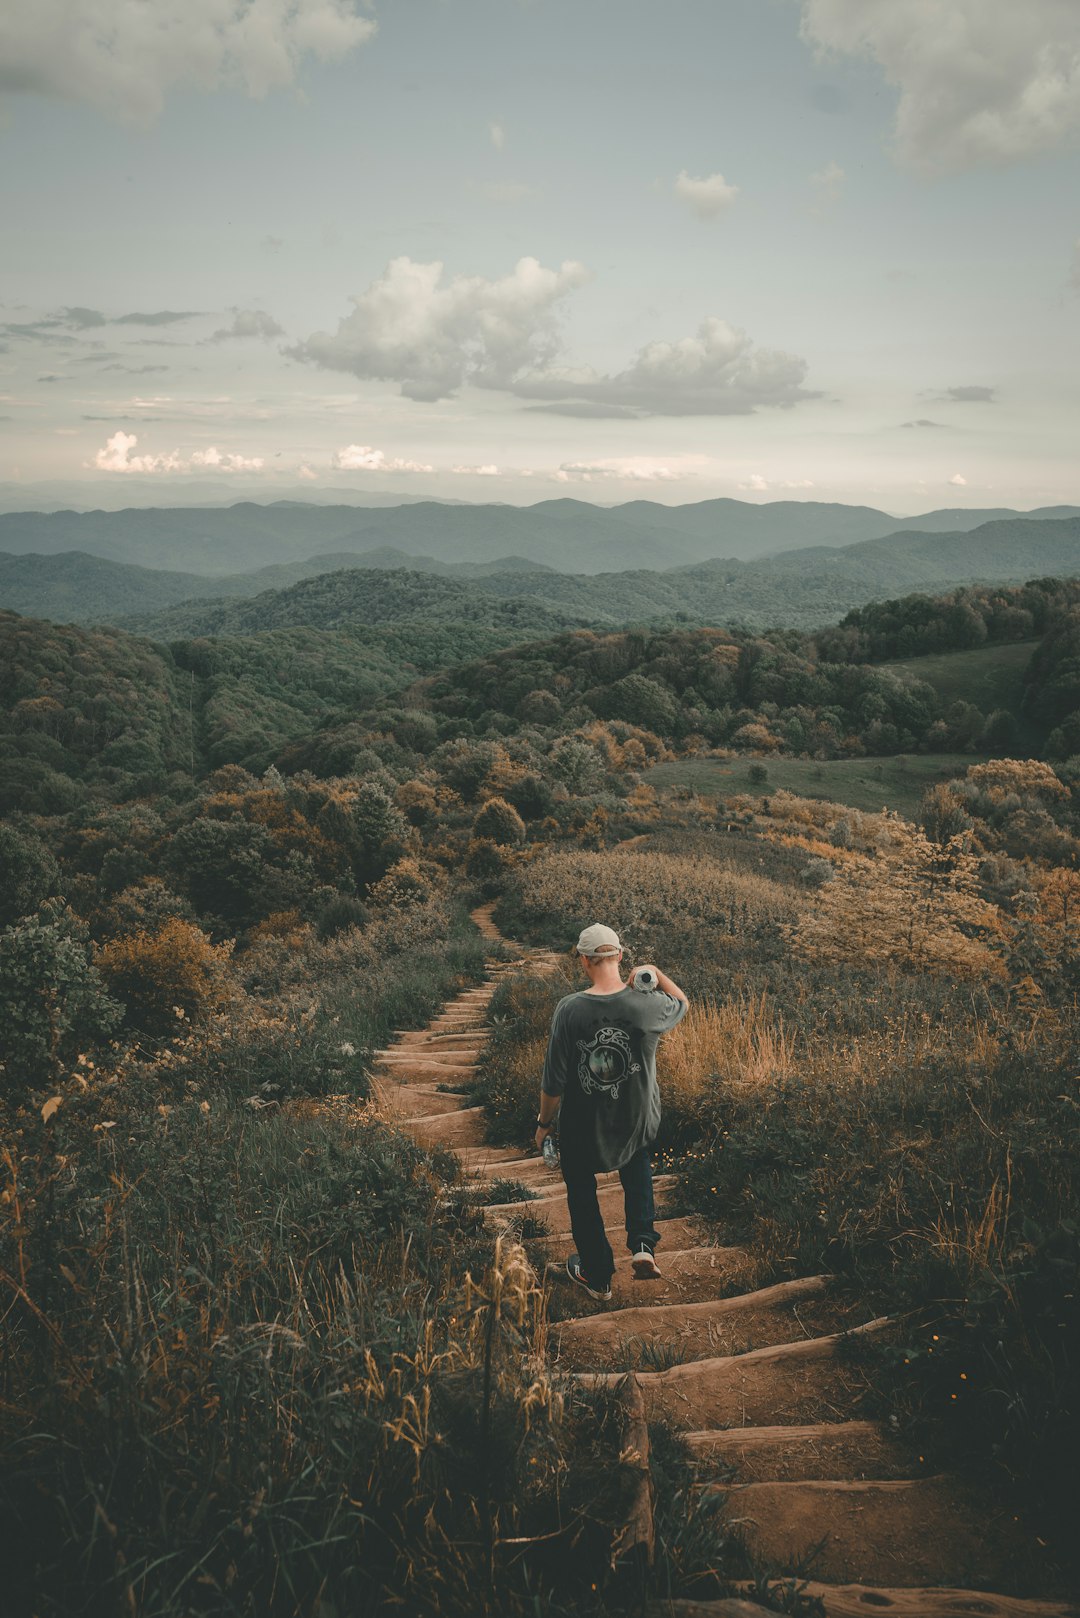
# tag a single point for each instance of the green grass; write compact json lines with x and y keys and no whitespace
{"x":990,"y":677}
{"x":869,"y":784}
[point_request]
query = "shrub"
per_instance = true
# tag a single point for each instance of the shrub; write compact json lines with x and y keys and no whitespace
{"x":53,"y":1003}
{"x":339,"y":915}
{"x":409,"y":882}
{"x":165,"y":975}
{"x":499,"y":822}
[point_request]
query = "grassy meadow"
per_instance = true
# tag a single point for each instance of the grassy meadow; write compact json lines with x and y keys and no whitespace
{"x":990,"y":677}
{"x":868,"y":784}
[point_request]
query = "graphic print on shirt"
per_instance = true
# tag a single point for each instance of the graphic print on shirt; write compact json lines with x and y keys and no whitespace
{"x":606,"y":1061}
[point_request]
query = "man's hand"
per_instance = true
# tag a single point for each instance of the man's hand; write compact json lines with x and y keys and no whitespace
{"x":541,"y":1136}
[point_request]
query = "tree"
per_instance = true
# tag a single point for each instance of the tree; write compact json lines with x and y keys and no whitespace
{"x":28,"y":874}
{"x":942,"y":814}
{"x":499,"y":822}
{"x":379,"y":833}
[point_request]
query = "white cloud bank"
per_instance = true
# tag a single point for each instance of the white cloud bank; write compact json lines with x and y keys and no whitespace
{"x":123,"y":58}
{"x":980,"y":81}
{"x":248,"y":323}
{"x":708,"y":197}
{"x":434,"y":337}
{"x":364,"y":458}
{"x":630,"y":468}
{"x":717,"y":372}
{"x":119,"y":455}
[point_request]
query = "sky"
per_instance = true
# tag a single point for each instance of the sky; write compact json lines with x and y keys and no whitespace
{"x":517,"y":249}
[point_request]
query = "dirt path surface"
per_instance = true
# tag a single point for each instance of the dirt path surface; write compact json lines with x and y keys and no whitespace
{"x":767,"y":1384}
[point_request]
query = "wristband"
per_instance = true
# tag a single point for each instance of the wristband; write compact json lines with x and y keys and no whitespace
{"x":540,"y":1124}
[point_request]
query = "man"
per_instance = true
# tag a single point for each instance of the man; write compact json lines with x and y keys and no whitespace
{"x":601,"y":1070}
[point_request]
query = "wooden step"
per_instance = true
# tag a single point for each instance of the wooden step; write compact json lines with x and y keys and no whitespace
{"x":788,"y":1312}
{"x":860,"y":1450}
{"x":864,"y":1601}
{"x":425,"y":1068}
{"x":677,"y":1234}
{"x":556,"y":1214}
{"x":415,"y":1100}
{"x":921,"y":1531}
{"x":789,"y":1384}
{"x":465,"y":1127}
{"x":468,"y":1039}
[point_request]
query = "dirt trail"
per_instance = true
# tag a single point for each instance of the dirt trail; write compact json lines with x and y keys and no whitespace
{"x":767,"y":1383}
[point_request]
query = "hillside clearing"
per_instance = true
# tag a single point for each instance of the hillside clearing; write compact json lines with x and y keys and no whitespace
{"x":869,"y":784}
{"x":990,"y":676}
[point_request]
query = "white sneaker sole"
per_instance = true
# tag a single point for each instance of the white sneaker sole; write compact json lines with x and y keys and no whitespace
{"x":645,"y":1267}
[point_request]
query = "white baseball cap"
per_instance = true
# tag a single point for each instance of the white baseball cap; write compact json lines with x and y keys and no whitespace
{"x":598,"y":941}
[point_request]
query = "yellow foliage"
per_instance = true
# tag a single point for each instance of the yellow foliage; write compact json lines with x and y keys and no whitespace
{"x":917,"y":908}
{"x":166,"y":976}
{"x":1000,"y":776}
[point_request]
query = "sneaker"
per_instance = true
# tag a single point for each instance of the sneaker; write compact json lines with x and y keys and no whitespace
{"x":644,"y":1264}
{"x":576,"y":1273}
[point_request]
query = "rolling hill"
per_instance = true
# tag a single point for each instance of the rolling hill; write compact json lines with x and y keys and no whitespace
{"x":568,"y":535}
{"x":802,"y":589}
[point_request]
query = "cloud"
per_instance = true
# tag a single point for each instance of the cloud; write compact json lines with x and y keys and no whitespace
{"x":922,"y":422}
{"x":432,"y":337}
{"x":363,"y":458}
{"x":717,"y":372}
{"x":36,"y":331}
{"x":979,"y":81}
{"x":123,"y":59}
{"x":633,"y":469}
{"x":756,"y":484}
{"x":488,"y":471}
{"x":969,"y":395}
{"x":587,"y":409}
{"x":119,"y":455}
{"x":497,"y":134}
{"x":133,"y":370}
{"x":248,"y":323}
{"x":708,"y":197}
{"x":827,"y":185}
{"x":959,"y":481}
{"x":84,"y":319}
{"x":157,"y":317}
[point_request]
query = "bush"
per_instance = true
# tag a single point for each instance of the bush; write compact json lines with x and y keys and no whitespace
{"x":499,"y":822}
{"x":165,"y":976}
{"x":339,"y":915}
{"x":53,"y":1004}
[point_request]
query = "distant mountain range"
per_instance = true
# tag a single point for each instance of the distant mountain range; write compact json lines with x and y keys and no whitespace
{"x":568,"y":535}
{"x":803,"y":589}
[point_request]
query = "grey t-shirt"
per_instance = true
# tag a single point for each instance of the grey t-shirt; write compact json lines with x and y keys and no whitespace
{"x":601,"y":1059}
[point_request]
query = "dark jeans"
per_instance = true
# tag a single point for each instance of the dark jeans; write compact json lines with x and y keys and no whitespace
{"x":586,"y":1222}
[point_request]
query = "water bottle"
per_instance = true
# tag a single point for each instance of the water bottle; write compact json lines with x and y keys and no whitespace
{"x":550,"y":1150}
{"x":644,"y":979}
